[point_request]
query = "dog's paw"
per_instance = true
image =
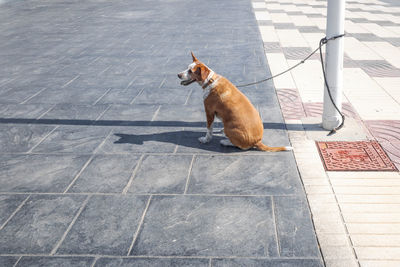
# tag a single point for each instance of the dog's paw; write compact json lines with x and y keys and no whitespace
{"x":204,"y":139}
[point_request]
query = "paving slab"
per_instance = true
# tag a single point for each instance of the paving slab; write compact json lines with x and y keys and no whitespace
{"x":40,"y":173}
{"x":39,"y":224}
{"x":159,"y":174}
{"x":22,"y":111}
{"x":8,"y":204}
{"x":170,"y":96}
{"x":294,"y":226}
{"x":267,"y":262}
{"x":74,"y":112}
{"x":274,"y":174}
{"x":130,"y":113}
{"x":70,"y":139}
{"x":156,"y":262}
{"x":106,"y":174}
{"x":8,"y":260}
{"x":204,"y":226}
{"x":119,"y":217}
{"x":181,"y":116}
{"x":55,"y":261}
{"x":119,"y":96}
{"x":16,"y":138}
{"x":142,"y":140}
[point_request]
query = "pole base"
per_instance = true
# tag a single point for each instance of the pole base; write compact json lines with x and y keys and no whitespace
{"x":330,"y":123}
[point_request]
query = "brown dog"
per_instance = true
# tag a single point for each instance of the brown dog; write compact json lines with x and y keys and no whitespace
{"x":242,"y":123}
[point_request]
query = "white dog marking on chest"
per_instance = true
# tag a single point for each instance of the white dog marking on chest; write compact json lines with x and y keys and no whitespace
{"x":224,"y":94}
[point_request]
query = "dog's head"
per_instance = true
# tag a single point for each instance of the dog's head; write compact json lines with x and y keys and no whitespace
{"x":196,"y":72}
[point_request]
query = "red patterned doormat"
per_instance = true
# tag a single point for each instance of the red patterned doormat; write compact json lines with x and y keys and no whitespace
{"x":354,"y":156}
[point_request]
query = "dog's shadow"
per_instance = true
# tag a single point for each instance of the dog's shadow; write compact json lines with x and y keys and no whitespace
{"x":187,"y":141}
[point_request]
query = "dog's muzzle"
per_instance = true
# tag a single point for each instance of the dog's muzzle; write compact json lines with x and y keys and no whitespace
{"x":185,"y":82}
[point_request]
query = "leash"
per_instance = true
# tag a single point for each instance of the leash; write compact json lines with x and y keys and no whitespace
{"x":322,"y":42}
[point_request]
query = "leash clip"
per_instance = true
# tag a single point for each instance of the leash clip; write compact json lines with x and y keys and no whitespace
{"x":334,"y":37}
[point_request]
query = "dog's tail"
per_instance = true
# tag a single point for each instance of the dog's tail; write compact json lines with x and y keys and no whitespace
{"x":262,"y":147}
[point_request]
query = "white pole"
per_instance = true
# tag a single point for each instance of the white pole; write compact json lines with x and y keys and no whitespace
{"x":334,"y":64}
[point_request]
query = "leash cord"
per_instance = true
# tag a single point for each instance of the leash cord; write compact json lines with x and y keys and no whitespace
{"x":322,"y":42}
{"x":279,"y":74}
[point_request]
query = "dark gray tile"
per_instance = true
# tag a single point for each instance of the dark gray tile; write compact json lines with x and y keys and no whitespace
{"x":19,"y":95}
{"x":261,"y":98}
{"x":180,"y":116}
{"x":39,"y":224}
{"x":119,"y":96}
{"x":267,"y":263}
{"x":274,"y":173}
{"x":284,"y":25}
{"x":125,"y":114}
{"x":119,"y":217}
{"x":384,"y":22}
{"x":22,"y":111}
{"x":204,"y":226}
{"x":314,"y":15}
{"x":272,"y":47}
{"x":394,"y":41}
{"x":312,"y":29}
{"x":281,"y":11}
{"x":106,"y":174}
{"x":294,"y":13}
{"x":70,"y":112}
{"x":297,"y":53}
{"x":68,"y":95}
{"x":271,"y":117}
{"x":196,"y":98}
{"x":55,"y":261}
{"x":16,"y":138}
{"x":152,"y":262}
{"x":295,"y":229}
{"x":265,"y":22}
{"x":378,"y":68}
{"x":38,"y":173}
{"x":78,"y":139}
{"x":8,"y":261}
{"x":162,"y":96}
{"x":359,"y":20}
{"x":161,"y":174}
{"x":142,"y":139}
{"x":366,"y":37}
{"x":8,"y":204}
{"x":119,"y":69}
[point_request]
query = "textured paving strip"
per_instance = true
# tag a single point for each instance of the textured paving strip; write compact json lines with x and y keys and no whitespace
{"x":100,"y":163}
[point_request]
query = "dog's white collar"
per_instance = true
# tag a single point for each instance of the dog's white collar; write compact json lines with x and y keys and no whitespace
{"x":210,"y":75}
{"x":210,"y":86}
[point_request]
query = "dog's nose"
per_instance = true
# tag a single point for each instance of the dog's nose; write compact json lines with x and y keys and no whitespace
{"x":179,"y":76}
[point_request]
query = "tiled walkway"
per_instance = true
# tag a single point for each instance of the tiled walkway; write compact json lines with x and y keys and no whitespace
{"x":356,"y":214}
{"x":99,"y":159}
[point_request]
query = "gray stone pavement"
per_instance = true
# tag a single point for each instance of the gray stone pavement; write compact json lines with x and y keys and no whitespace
{"x":99,"y":159}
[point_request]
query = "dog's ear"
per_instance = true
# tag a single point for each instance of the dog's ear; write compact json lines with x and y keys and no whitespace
{"x":193,"y":57}
{"x":202,"y":72}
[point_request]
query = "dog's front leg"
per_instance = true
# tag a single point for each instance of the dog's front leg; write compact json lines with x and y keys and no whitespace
{"x":210,"y":120}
